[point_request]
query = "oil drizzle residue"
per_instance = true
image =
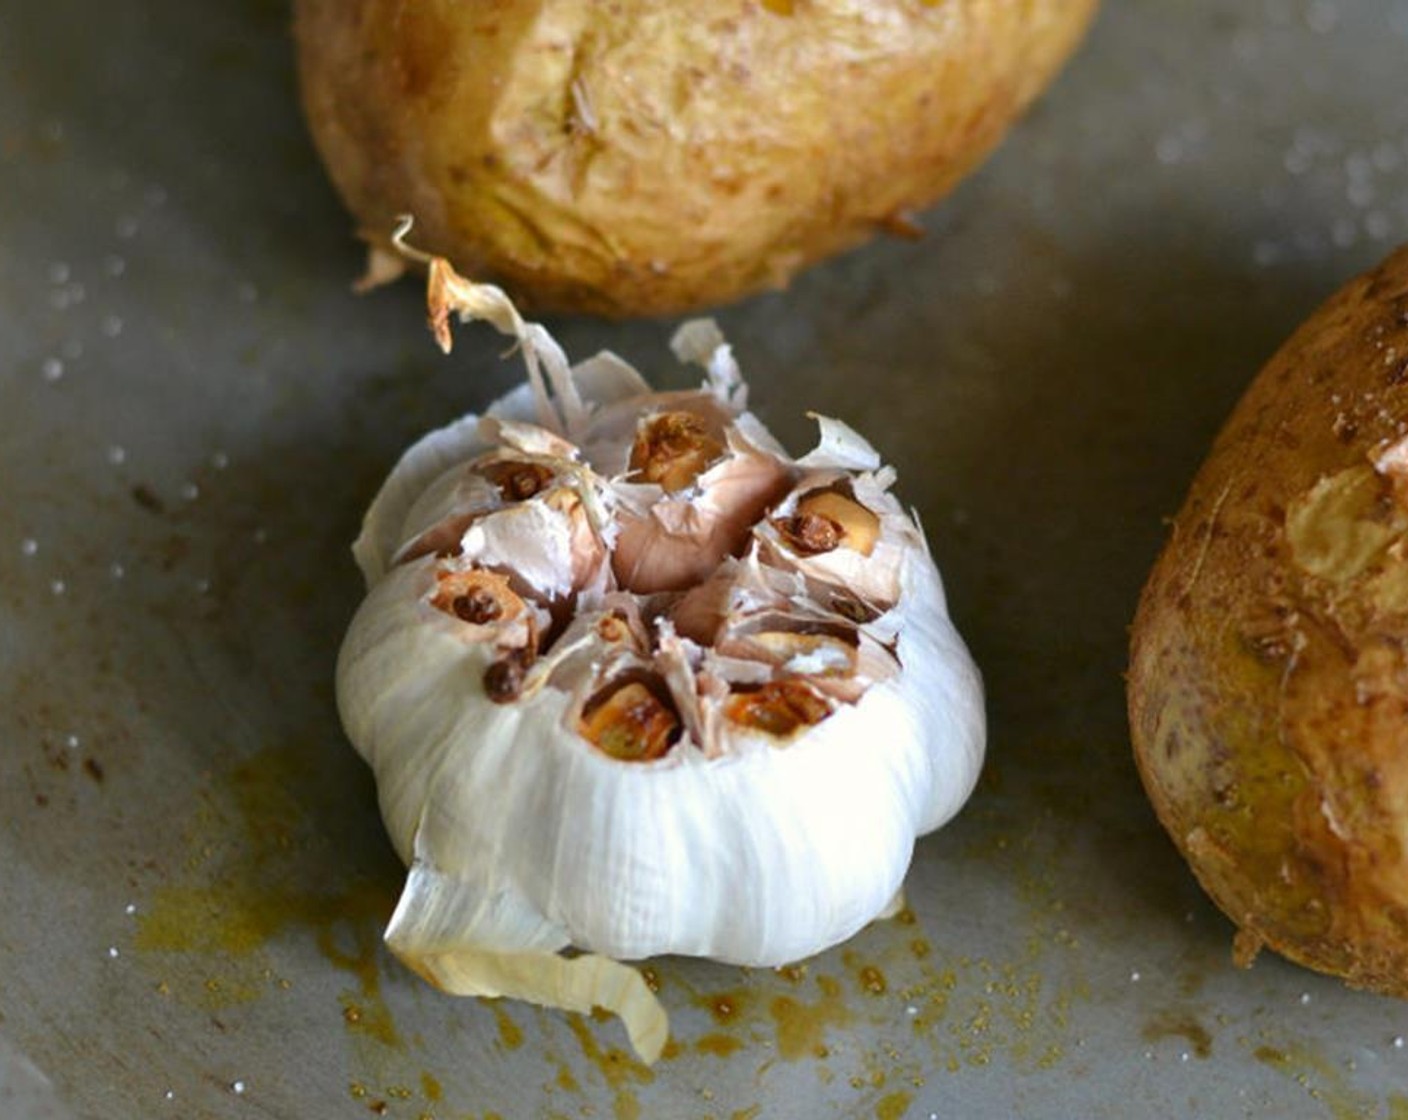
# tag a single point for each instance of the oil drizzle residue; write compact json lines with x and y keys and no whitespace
{"x":871,"y":979}
{"x":1323,"y":1080}
{"x":566,"y":1079}
{"x":615,"y":1065}
{"x":718,"y":1045}
{"x":801,"y":1027}
{"x":726,"y":1007}
{"x":255,"y":871}
{"x":367,"y":1012}
{"x":893,"y":1106}
{"x":510,"y":1035}
{"x":1175,"y":1024}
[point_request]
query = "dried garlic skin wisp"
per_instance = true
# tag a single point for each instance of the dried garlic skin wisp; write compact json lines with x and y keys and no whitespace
{"x":633,"y":680}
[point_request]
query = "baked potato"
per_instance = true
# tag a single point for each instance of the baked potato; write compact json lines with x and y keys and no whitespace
{"x":642,"y":157}
{"x":1268,"y":688}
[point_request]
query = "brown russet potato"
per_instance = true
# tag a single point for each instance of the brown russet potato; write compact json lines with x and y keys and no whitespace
{"x":1268,"y":687}
{"x":652,"y":156}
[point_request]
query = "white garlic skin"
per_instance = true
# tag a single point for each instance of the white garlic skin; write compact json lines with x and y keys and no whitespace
{"x":523,"y":835}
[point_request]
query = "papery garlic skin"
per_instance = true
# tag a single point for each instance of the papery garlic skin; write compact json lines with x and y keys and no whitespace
{"x":737,"y":844}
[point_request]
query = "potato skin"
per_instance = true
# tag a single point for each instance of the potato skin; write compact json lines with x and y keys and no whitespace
{"x":1268,"y":687}
{"x":645,"y":157}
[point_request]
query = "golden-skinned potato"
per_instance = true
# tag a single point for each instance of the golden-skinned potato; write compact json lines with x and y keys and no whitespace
{"x":654,"y":156}
{"x":1268,"y":689}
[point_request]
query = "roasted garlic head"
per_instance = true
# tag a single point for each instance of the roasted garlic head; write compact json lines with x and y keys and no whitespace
{"x":634,"y":681}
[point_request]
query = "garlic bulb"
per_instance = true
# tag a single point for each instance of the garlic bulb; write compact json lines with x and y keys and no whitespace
{"x":635,"y":681}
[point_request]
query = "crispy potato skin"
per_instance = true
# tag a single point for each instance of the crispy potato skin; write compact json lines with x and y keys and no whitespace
{"x":646,"y":157}
{"x":1268,"y":687}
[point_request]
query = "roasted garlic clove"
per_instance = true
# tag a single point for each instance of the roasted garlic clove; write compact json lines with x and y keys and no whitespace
{"x":480,"y":598}
{"x":844,"y":531}
{"x":673,"y":449}
{"x":631,"y":721}
{"x":518,"y":480}
{"x":795,"y":645}
{"x":676,"y":542}
{"x":486,"y":607}
{"x":827,"y":519}
{"x":779,"y":709}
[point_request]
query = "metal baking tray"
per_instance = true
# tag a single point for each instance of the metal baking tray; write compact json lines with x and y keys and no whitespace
{"x":194,"y":410}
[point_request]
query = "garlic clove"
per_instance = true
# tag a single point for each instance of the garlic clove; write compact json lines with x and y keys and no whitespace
{"x":517,"y":480}
{"x":700,"y":612}
{"x":827,"y":519}
{"x":483,"y":600}
{"x":793,"y":644}
{"x":616,"y":431}
{"x":436,"y":520}
{"x":780,"y":709}
{"x":878,"y":527}
{"x":672,"y":449}
{"x":680,"y":540}
{"x":631,"y":720}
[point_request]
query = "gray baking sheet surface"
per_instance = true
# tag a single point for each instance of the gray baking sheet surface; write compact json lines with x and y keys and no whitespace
{"x":194,"y":410}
